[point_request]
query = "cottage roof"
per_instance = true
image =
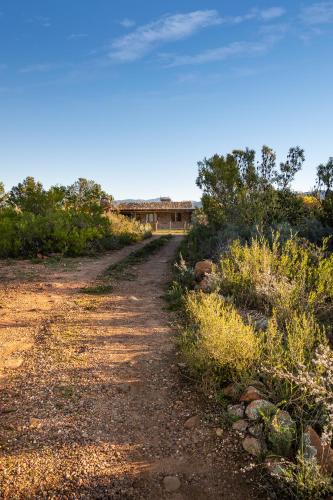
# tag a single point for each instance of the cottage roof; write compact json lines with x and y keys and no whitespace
{"x":154,"y":205}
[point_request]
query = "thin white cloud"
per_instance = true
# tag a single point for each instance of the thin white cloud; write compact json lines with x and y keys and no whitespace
{"x":45,"y":22}
{"x":169,"y":28}
{"x":256,"y":14}
{"x":77,"y":36}
{"x":269,"y":34}
{"x":127,"y":23}
{"x":221,"y":53}
{"x":318,"y":13}
{"x":40,"y":68}
{"x":274,"y":32}
{"x":272,"y":13}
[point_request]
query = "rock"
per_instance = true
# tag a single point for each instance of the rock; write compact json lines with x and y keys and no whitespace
{"x":281,"y":433}
{"x":240,"y":425}
{"x":275,"y":466}
{"x":236,"y":411}
{"x":204,"y":284}
{"x":251,"y":394}
{"x":283,"y":419}
{"x":314,"y":448}
{"x":256,"y":430}
{"x":202,"y":268}
{"x":35,"y":423}
{"x":261,"y":324}
{"x":257,"y":385}
{"x":255,"y":409}
{"x":253,"y":446}
{"x":171,"y":483}
{"x":182,"y":366}
{"x":13,"y":363}
{"x":192,"y":422}
{"x":230,"y":391}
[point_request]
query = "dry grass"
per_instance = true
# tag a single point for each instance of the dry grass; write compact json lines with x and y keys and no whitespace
{"x":217,"y":337}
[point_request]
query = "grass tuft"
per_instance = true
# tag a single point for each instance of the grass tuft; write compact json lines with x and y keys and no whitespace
{"x":124,"y":270}
{"x":117,"y":271}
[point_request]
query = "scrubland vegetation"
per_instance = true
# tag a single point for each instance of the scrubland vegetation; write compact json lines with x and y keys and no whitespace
{"x":264,"y":315}
{"x":62,"y":220}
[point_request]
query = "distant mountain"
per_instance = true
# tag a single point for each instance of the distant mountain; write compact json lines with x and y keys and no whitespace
{"x":134,"y":200}
{"x":196,"y":204}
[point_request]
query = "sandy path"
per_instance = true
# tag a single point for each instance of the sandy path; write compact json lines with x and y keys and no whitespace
{"x":30,"y":292}
{"x":97,"y":409}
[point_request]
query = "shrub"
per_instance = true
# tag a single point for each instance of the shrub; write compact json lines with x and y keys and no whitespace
{"x":25,"y":234}
{"x":250,"y":274}
{"x":127,"y":230}
{"x":175,"y":296}
{"x":200,"y":244}
{"x":217,"y":338}
{"x":184,"y":274}
{"x":288,"y":348}
{"x":285,"y":277}
{"x":68,"y":220}
{"x":67,"y":232}
{"x":304,"y":480}
{"x":309,"y":389}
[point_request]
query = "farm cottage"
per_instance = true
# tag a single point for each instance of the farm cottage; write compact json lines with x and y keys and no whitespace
{"x":162,"y":214}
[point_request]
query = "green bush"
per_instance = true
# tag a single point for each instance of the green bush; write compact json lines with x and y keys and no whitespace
{"x":69,"y":232}
{"x":217,"y":340}
{"x":286,"y":277}
{"x":288,"y":348}
{"x":67,"y":220}
{"x":128,"y":230}
{"x":184,"y":274}
{"x":200,"y":243}
{"x":175,"y":296}
{"x":304,"y":480}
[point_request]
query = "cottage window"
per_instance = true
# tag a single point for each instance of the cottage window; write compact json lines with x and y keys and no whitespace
{"x":151,"y":218}
{"x":176,"y":217}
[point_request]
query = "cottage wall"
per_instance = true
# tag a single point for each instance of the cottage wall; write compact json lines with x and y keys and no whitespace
{"x":165,"y":220}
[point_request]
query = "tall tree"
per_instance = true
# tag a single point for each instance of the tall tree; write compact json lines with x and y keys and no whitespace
{"x":29,"y":196}
{"x":219,"y":178}
{"x":237,"y":190}
{"x":56,"y":196}
{"x":246,"y":164}
{"x":290,"y":167}
{"x":267,"y":168}
{"x":325,"y":176}
{"x":325,"y":181}
{"x":3,"y":195}
{"x":86,"y":196}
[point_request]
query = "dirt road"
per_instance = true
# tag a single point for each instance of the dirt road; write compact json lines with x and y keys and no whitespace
{"x":96,"y":406}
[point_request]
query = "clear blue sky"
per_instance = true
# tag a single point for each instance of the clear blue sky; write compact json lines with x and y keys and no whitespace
{"x":133,"y":93}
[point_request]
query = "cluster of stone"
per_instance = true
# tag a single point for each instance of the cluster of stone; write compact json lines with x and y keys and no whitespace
{"x":266,"y":429}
